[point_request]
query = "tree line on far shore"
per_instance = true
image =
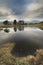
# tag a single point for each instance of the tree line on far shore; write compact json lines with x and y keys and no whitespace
{"x":20,"y":22}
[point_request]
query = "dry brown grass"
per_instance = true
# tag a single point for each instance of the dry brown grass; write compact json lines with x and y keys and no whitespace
{"x":6,"y":58}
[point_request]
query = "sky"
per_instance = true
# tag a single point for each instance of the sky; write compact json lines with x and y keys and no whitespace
{"x":26,"y":10}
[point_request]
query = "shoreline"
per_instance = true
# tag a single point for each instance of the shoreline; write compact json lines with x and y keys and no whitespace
{"x":28,"y":25}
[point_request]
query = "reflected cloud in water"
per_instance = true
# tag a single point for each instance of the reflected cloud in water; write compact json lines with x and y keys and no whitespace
{"x":25,"y":42}
{"x":21,"y":28}
{"x":14,"y":29}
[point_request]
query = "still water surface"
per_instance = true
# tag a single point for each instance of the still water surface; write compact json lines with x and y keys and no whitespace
{"x":18,"y":34}
{"x":26,"y":38}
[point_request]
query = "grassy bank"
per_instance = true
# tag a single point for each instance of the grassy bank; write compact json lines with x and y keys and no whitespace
{"x":5,"y":26}
{"x":6,"y":58}
{"x":39,"y":25}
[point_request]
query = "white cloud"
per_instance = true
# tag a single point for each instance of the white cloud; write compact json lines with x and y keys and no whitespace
{"x":6,"y":13}
{"x":34,"y":10}
{"x":33,"y":6}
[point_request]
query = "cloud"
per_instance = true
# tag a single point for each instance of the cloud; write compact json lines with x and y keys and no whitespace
{"x":6,"y":13}
{"x":33,"y":6}
{"x":34,"y":10}
{"x":18,"y":9}
{"x":17,"y":6}
{"x":39,"y":1}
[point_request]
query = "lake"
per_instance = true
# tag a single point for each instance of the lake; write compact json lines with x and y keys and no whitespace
{"x":24,"y":38}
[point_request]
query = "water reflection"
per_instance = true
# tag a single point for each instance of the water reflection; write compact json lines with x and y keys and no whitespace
{"x":6,"y":30}
{"x":23,"y":49}
{"x":20,"y":28}
{"x":25,"y":42}
{"x":15,"y":29}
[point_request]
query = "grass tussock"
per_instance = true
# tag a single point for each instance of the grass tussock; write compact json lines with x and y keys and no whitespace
{"x":6,"y":58}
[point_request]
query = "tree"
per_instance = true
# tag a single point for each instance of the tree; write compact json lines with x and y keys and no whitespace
{"x":21,"y":22}
{"x":6,"y":22}
{"x":15,"y":22}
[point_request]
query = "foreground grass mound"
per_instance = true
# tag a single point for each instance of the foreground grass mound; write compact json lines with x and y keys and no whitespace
{"x":6,"y":58}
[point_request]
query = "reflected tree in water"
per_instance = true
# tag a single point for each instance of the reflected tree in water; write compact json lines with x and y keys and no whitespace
{"x":20,"y":28}
{"x":15,"y":29}
{"x":6,"y":30}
